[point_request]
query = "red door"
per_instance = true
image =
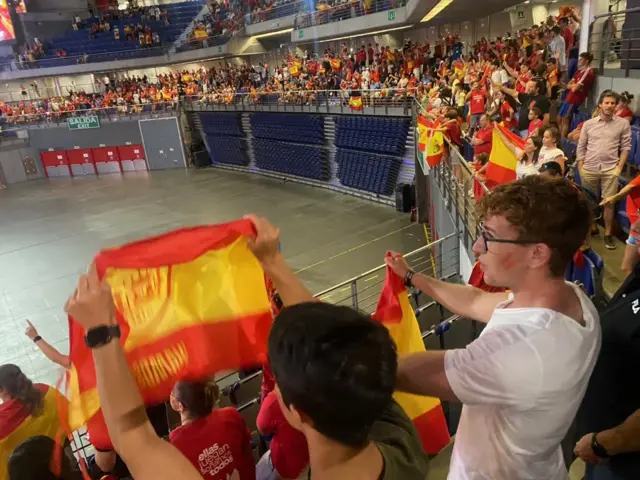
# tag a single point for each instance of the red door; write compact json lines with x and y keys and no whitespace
{"x":132,"y":158}
{"x":81,"y":162}
{"x":106,"y":159}
{"x":55,"y":163}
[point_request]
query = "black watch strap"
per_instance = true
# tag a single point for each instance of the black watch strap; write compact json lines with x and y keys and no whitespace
{"x":102,"y":335}
{"x":598,"y":449}
{"x":408,"y":278}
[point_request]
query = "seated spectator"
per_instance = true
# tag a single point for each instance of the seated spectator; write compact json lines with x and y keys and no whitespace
{"x":288,"y":455}
{"x":551,"y":170}
{"x":623,"y":110}
{"x":216,"y":441}
{"x":35,"y":458}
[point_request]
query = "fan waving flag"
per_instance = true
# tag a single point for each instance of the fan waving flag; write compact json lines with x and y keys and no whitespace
{"x":189,"y":303}
{"x":395,"y":312}
{"x":502,"y":159}
{"x":430,"y":142}
{"x":355,"y":103}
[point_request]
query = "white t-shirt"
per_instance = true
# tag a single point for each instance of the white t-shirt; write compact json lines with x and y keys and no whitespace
{"x":549,"y":154}
{"x":521,"y":383}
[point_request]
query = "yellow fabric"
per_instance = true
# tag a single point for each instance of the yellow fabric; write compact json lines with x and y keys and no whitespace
{"x":502,"y":155}
{"x":47,"y":424}
{"x":200,"y":34}
{"x":408,"y":339}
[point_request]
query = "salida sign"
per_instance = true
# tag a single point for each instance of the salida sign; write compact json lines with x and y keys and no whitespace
{"x":82,"y":123}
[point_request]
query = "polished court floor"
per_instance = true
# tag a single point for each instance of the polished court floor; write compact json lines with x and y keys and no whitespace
{"x":51,"y":229}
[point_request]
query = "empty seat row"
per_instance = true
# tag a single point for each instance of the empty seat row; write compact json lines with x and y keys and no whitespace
{"x":227,"y":150}
{"x":373,"y":134}
{"x":299,"y":160}
{"x":373,"y":173}
{"x":222,"y":124}
{"x":292,"y":128}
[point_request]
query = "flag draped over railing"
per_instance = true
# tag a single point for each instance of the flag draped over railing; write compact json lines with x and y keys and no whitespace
{"x":502,"y":159}
{"x":395,"y":312}
{"x":189,"y":303}
{"x":430,"y":142}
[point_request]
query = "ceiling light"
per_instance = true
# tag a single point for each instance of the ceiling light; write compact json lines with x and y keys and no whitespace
{"x":271,"y":34}
{"x":441,"y":5}
{"x":526,"y":1}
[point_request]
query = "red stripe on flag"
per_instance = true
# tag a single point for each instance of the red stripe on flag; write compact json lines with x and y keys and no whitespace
{"x":432,"y":429}
{"x":12,"y":413}
{"x":514,"y":138}
{"x":499,"y":174}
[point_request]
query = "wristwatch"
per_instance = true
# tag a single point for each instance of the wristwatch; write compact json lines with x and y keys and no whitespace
{"x":408,"y":279}
{"x":102,"y":335}
{"x":598,"y":449}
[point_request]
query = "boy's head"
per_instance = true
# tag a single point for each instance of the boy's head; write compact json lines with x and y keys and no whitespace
{"x":335,"y":370}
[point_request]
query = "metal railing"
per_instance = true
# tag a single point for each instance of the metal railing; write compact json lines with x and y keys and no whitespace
{"x":371,"y":102}
{"x":289,"y":7}
{"x":151,"y":110}
{"x":612,"y":46}
{"x":325,"y":14}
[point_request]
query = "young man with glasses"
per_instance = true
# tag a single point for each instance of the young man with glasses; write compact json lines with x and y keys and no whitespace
{"x":522,"y":380}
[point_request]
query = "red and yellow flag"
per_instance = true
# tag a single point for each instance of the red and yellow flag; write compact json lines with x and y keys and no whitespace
{"x":16,"y":425}
{"x":394,"y":310}
{"x":502,"y":159}
{"x":458,"y":66}
{"x":430,"y":142}
{"x":189,"y":303}
{"x":335,"y":64}
{"x":355,"y":103}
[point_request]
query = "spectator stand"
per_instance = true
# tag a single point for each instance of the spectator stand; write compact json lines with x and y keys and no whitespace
{"x":263,"y":12}
{"x":325,"y":13}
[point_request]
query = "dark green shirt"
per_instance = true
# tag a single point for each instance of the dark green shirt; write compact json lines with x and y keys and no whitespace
{"x":398,"y":441}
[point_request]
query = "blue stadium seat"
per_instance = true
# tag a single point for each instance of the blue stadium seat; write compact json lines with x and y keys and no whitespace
{"x":584,"y":275}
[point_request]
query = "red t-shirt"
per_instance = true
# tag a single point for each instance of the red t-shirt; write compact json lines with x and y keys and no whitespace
{"x":623,"y":112}
{"x":289,"y":450}
{"x":218,"y":445}
{"x":478,"y":99}
{"x":567,"y":34}
{"x":485,"y":134}
{"x":586,"y":77}
{"x":534,"y":125}
{"x":452,"y":131}
{"x":633,"y":201}
{"x":522,"y":82}
{"x":507,"y":115}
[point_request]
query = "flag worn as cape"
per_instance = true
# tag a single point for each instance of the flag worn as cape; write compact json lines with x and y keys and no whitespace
{"x":503,"y":160}
{"x":394,"y":310}
{"x":16,"y":425}
{"x":355,"y":103}
{"x":430,"y":141}
{"x":189,"y":303}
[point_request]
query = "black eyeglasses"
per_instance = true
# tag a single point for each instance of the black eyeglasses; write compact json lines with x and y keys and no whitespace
{"x":488,"y":238}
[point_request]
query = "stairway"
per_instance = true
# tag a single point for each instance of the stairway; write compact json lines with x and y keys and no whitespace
{"x":330,"y":147}
{"x":246,"y":128}
{"x":408,"y":169}
{"x":185,"y":33}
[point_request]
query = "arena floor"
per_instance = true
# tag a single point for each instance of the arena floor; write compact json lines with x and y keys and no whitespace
{"x":51,"y":229}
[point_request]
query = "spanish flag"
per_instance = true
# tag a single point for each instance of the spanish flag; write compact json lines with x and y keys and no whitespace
{"x":458,"y":67}
{"x":355,"y":103}
{"x":502,"y":159}
{"x":396,"y":313}
{"x":189,"y":303}
{"x":16,"y":425}
{"x":335,"y":64}
{"x":430,"y":142}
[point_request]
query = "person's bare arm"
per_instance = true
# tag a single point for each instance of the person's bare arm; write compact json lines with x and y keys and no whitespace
{"x":50,"y":352}
{"x":147,"y":456}
{"x":265,"y":247}
{"x":463,"y":300}
{"x":624,"y":438}
{"x":507,"y":91}
{"x":510,"y":70}
{"x":423,"y":373}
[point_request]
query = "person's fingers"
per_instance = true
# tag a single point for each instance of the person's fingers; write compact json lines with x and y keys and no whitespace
{"x":83,"y":285}
{"x":30,"y":324}
{"x":92,"y":274}
{"x":253,"y":218}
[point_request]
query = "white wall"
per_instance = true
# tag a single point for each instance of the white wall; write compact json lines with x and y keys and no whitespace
{"x":619,"y":85}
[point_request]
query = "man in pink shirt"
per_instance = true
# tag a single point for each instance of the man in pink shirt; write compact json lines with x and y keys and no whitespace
{"x":603,"y":149}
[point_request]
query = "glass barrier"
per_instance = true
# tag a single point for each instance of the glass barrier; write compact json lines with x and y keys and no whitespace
{"x":271,"y":13}
{"x":327,"y":14}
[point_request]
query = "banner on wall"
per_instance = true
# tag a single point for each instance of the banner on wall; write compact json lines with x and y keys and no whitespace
{"x":7,"y":31}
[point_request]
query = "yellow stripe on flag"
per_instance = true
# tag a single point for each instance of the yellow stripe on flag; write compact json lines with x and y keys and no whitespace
{"x":502,"y":155}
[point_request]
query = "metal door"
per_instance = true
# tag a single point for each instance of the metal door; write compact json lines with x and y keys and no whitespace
{"x":162,"y":143}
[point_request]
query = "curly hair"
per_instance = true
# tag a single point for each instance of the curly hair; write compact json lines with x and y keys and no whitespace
{"x":15,"y":384}
{"x":543,"y":210}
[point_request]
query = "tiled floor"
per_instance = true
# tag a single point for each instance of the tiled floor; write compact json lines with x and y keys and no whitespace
{"x":50,"y":230}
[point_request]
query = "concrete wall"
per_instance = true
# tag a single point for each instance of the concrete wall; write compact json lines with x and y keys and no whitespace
{"x":631,"y":85}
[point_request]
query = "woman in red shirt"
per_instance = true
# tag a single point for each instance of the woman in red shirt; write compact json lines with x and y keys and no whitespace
{"x":217,"y":442}
{"x":535,"y":122}
{"x":622,"y":109}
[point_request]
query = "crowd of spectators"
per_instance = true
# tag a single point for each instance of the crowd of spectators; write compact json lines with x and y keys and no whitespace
{"x":219,"y":20}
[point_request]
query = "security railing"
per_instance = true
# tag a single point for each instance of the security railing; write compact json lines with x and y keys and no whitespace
{"x":344,"y":11}
{"x":287,"y":8}
{"x":53,"y":118}
{"x":394,"y":101}
{"x":614,"y":46}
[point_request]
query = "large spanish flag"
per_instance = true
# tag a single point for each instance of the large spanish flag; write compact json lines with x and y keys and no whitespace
{"x":189,"y":303}
{"x":394,"y":310}
{"x":430,"y":141}
{"x":355,"y":103}
{"x":502,"y":159}
{"x":16,"y":425}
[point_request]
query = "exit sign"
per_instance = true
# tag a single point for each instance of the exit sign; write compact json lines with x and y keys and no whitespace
{"x":391,"y":15}
{"x":83,"y":123}
{"x":300,"y":33}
